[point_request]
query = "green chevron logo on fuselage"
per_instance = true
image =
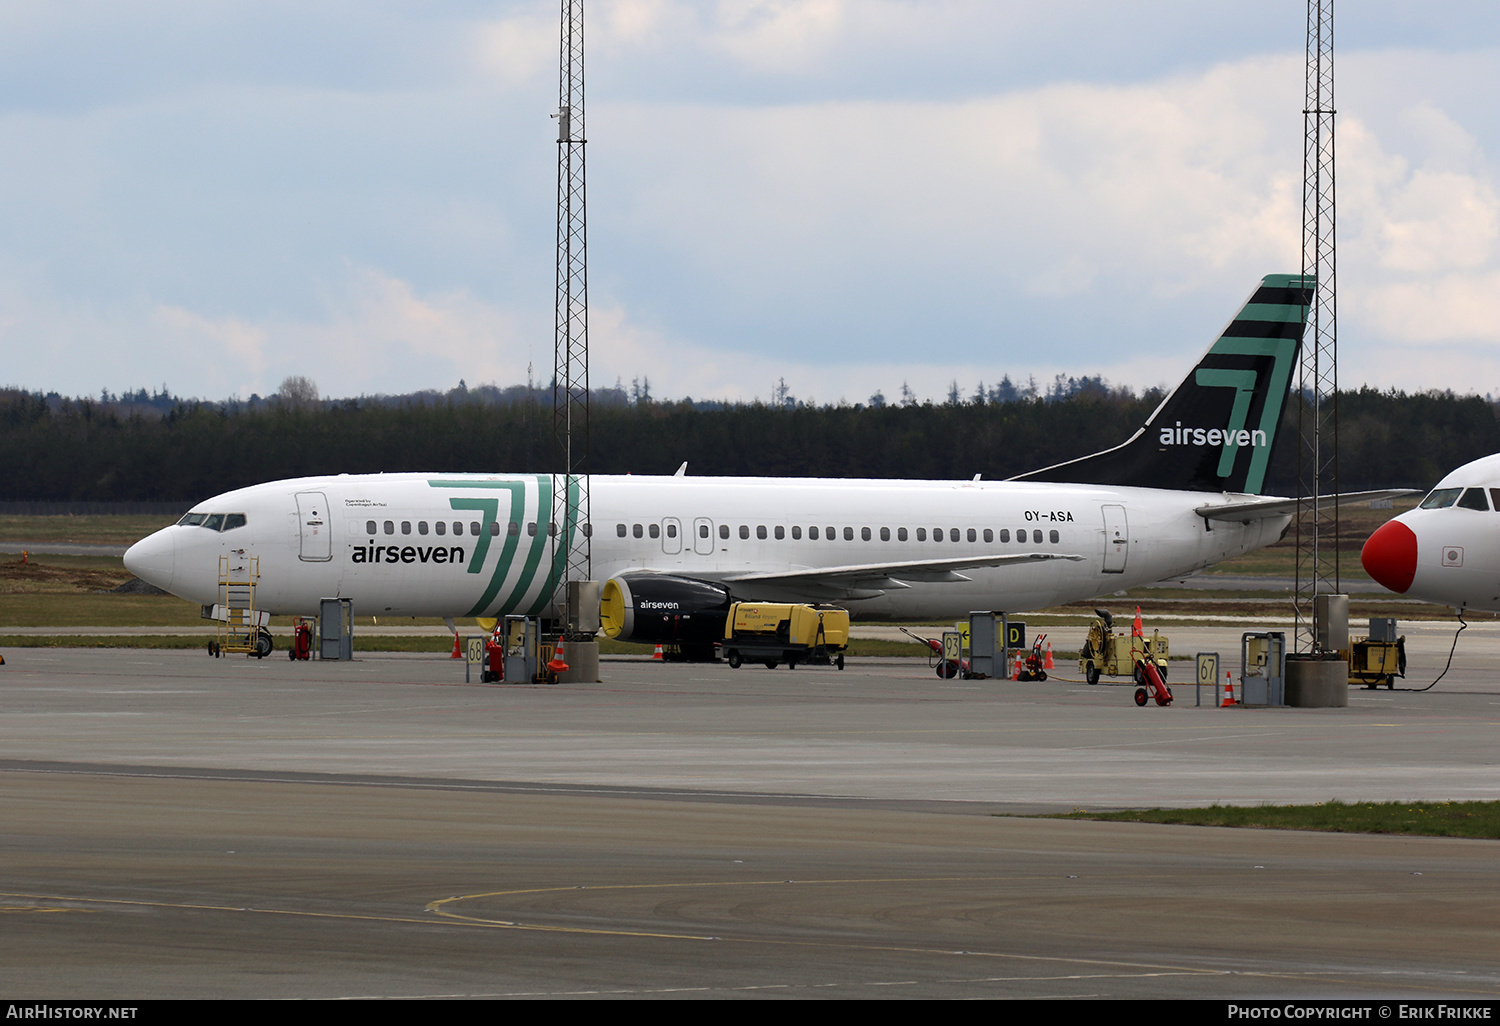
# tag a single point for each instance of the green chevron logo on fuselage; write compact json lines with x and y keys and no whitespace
{"x":530,"y":549}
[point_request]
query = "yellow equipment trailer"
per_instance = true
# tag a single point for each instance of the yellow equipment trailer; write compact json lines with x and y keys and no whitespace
{"x":1112,"y":654}
{"x":774,"y":632}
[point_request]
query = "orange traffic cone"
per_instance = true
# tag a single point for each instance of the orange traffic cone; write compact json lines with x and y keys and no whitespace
{"x":1228,"y":698}
{"x":457,"y":652}
{"x":657,"y":654}
{"x":1015,"y":670}
{"x":557,"y":665}
{"x":1047,"y":663}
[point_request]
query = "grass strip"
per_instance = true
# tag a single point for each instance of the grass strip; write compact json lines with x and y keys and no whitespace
{"x":1479,"y":820}
{"x":83,"y":529}
{"x":362,"y":642}
{"x":368,"y":643}
{"x":12,"y":642}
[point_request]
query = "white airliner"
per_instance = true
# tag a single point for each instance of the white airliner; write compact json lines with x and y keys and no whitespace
{"x":1180,"y":494}
{"x":1447,"y":550}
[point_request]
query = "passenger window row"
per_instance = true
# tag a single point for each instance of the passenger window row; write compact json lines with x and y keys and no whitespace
{"x":440,"y":527}
{"x":762,"y":533}
{"x":213,"y":521}
{"x":653,"y":529}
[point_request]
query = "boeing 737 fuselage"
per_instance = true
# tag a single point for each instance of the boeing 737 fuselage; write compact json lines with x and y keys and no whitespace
{"x":1180,"y":494}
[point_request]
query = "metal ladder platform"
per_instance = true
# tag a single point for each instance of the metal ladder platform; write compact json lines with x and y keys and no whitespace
{"x":239,"y":630}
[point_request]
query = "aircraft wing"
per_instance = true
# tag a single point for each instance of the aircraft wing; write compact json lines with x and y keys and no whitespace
{"x":1261,"y":509}
{"x":886,"y":576}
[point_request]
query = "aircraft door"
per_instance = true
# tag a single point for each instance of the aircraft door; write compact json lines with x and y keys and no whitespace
{"x":1116,"y":540}
{"x":671,"y":535}
{"x":315,"y":527}
{"x":703,"y":536}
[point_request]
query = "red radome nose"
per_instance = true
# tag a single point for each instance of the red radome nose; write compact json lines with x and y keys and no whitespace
{"x":1390,"y":556}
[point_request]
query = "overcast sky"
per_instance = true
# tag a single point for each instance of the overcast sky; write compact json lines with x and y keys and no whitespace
{"x":849,"y":194}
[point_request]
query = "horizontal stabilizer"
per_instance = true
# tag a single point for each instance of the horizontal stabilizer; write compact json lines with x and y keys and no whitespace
{"x":1262,"y":509}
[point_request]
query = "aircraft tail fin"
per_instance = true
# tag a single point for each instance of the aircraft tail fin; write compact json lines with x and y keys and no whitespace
{"x":1216,"y":430}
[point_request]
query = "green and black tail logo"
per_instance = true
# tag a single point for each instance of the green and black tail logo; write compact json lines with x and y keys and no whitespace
{"x":1215,"y":432}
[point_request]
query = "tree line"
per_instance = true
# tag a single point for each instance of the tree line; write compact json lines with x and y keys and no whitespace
{"x":55,"y":449}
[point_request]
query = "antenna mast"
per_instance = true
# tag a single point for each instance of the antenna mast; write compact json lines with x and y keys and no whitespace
{"x":571,"y":528}
{"x":1318,"y":381}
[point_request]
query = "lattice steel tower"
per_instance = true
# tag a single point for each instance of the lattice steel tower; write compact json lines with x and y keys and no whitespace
{"x":1318,"y":381}
{"x":571,"y":542}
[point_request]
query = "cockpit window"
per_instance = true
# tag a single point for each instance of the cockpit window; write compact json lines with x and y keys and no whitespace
{"x":1441,"y":498}
{"x":213,"y":521}
{"x":1473,"y":498}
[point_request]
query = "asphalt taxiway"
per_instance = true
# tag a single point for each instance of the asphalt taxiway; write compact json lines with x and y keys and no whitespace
{"x":176,"y":825}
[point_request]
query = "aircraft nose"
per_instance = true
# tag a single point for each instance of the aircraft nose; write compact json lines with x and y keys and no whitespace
{"x":153,"y":559}
{"x":1390,"y":556}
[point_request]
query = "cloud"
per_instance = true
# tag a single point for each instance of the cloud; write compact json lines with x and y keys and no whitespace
{"x":778,"y":35}
{"x":520,"y":48}
{"x":1418,"y":262}
{"x":239,"y":346}
{"x":1006,"y":229}
{"x":1439,"y":221}
{"x":1454,"y":308}
{"x":378,"y":333}
{"x":898,"y":223}
{"x":845,"y":194}
{"x":375,"y":333}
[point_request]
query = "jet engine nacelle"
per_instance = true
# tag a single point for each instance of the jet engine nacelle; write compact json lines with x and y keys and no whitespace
{"x":664,"y":609}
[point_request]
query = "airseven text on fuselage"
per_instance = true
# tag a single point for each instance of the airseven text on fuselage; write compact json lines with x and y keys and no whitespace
{"x":406,"y":554}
